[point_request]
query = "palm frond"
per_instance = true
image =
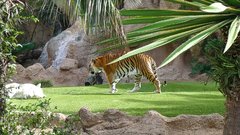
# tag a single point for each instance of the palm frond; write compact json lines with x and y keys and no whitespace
{"x":233,"y":33}
{"x":97,"y":16}
{"x":163,"y":29}
{"x":193,"y":41}
{"x":161,"y":32}
{"x":161,"y":42}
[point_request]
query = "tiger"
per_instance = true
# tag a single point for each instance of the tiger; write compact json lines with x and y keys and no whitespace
{"x":138,"y":65}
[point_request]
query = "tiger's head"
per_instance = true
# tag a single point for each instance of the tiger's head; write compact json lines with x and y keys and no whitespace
{"x":96,"y":65}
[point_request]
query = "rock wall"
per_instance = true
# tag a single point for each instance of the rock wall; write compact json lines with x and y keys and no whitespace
{"x":64,"y":60}
{"x":68,"y":74}
{"x":38,"y":33}
{"x":115,"y":122}
{"x":67,"y":55}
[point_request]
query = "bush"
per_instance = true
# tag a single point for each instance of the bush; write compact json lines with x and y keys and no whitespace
{"x":35,"y":118}
{"x":26,"y":119}
{"x":200,"y":67}
{"x":225,"y":66}
{"x":44,"y":83}
{"x":70,"y":127}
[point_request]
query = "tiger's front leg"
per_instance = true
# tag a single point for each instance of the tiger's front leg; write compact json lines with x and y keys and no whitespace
{"x":112,"y":82}
{"x":113,"y":86}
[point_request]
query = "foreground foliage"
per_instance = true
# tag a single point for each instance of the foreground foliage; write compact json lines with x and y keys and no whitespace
{"x":26,"y":119}
{"x":9,"y":16}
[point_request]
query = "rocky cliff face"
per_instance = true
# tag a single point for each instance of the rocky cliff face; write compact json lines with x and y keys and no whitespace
{"x":64,"y":60}
{"x":65,"y":57}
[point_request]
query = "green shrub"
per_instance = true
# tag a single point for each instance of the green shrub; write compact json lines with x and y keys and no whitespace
{"x":70,"y":127}
{"x":34,"y":118}
{"x":44,"y":83}
{"x":200,"y":67}
{"x":225,"y":66}
{"x":26,"y":119}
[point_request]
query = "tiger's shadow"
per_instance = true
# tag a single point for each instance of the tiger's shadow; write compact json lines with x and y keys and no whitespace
{"x":110,"y":94}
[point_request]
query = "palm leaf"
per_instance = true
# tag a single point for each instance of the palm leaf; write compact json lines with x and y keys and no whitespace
{"x":98,"y":16}
{"x":144,"y":20}
{"x":184,"y":19}
{"x":193,"y":41}
{"x":157,"y":12}
{"x":233,"y":33}
{"x":160,"y":42}
{"x":132,"y":42}
{"x":216,"y":7}
{"x":169,"y":25}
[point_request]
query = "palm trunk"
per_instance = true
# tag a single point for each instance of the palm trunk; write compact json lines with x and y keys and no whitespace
{"x":2,"y":90}
{"x":232,"y":117}
{"x":2,"y":93}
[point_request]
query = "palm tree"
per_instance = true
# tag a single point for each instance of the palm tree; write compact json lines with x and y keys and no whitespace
{"x":201,"y":19}
{"x":97,"y":15}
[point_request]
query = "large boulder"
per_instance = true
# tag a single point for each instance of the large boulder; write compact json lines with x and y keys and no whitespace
{"x":72,"y":43}
{"x":68,"y":64}
{"x":34,"y":70}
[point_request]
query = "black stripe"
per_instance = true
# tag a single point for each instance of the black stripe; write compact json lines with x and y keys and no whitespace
{"x":121,"y":68}
{"x":131,"y":65}
{"x":118,"y":72}
{"x":126,"y":65}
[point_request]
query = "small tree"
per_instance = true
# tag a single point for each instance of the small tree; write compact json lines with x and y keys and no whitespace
{"x":10,"y":16}
{"x":226,"y":71}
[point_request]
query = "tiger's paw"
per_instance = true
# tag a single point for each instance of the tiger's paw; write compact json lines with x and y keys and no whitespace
{"x":113,"y":91}
{"x":157,"y":91}
{"x":132,"y":91}
{"x":135,"y":89}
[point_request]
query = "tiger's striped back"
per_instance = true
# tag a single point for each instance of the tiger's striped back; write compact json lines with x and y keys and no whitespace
{"x":139,"y":64}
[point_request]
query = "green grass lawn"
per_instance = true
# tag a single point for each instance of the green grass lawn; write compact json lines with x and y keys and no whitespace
{"x":176,"y":98}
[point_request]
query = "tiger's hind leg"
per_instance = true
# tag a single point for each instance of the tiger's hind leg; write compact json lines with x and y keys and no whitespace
{"x":157,"y":86}
{"x":152,"y":76}
{"x":137,"y":85}
{"x":155,"y":80}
